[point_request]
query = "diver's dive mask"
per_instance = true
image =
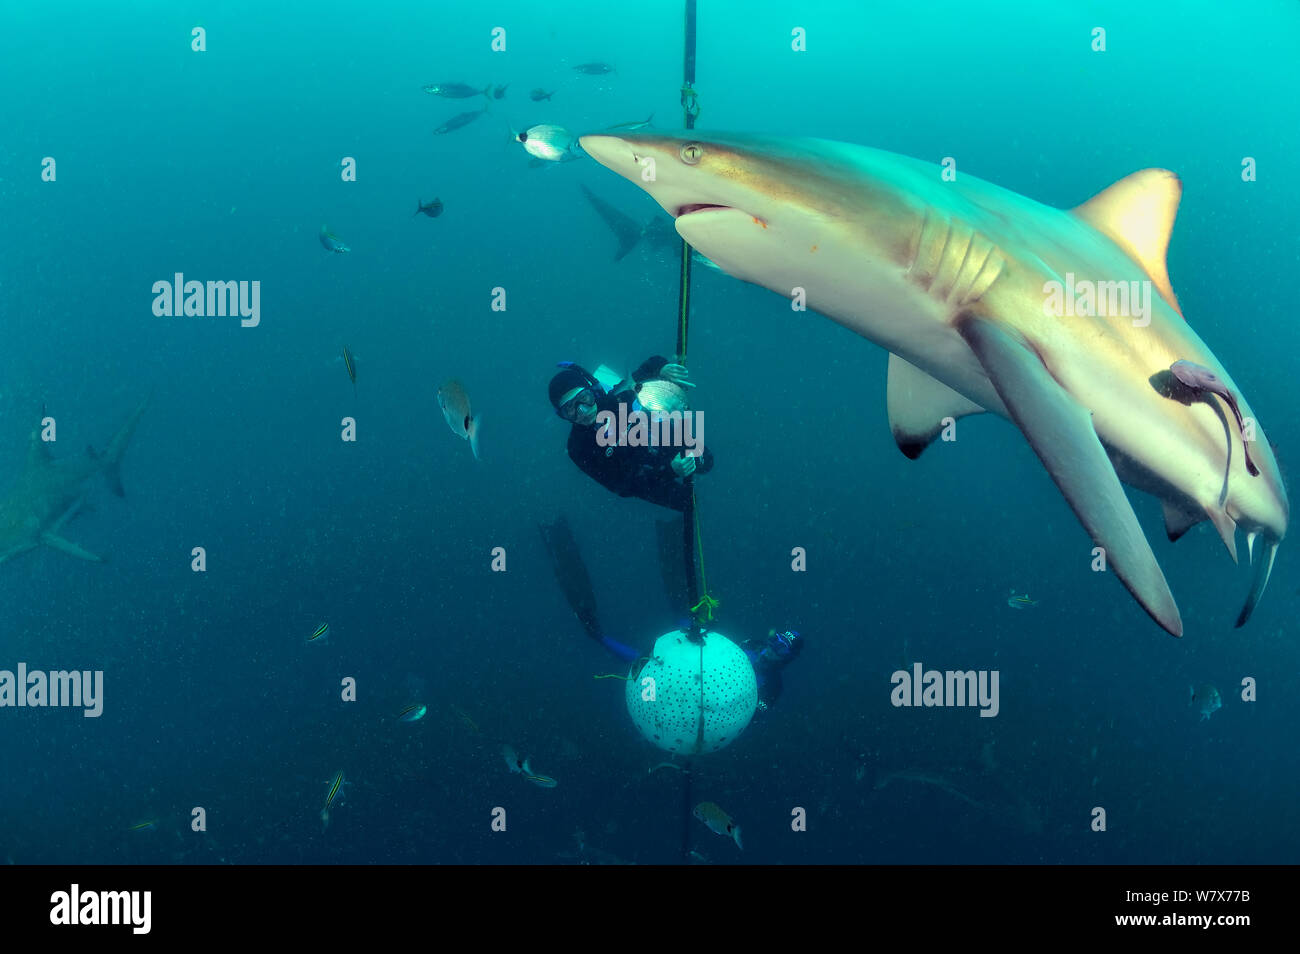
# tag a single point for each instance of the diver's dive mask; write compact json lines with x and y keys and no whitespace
{"x":577,"y":405}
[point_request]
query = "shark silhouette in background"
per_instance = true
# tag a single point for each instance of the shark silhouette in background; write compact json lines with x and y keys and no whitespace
{"x":952,"y":277}
{"x":50,"y":492}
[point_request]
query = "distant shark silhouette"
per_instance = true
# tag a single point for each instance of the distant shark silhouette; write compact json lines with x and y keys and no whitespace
{"x":51,"y":492}
{"x":658,"y":232}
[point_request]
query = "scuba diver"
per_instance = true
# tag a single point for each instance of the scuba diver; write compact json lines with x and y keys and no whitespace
{"x":768,"y":655}
{"x":591,"y":403}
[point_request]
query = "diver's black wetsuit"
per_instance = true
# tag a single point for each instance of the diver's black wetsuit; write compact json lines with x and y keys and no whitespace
{"x":644,"y":472}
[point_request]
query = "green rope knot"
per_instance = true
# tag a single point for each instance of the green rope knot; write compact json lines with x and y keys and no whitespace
{"x":704,"y":608}
{"x":690,"y":101}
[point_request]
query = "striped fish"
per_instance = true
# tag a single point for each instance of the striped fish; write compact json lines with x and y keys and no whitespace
{"x":335,"y":791}
{"x":351,"y":365}
{"x":321,"y":634}
{"x":413,"y":713}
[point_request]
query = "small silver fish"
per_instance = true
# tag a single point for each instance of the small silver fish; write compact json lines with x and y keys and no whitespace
{"x":455,"y":409}
{"x":719,"y":822}
{"x":594,"y":69}
{"x":552,"y":143}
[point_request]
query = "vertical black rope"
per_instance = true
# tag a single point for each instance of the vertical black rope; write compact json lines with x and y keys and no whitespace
{"x":690,"y":110}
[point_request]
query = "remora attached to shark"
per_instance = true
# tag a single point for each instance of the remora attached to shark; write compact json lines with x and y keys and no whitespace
{"x":952,"y":278}
{"x":50,"y":492}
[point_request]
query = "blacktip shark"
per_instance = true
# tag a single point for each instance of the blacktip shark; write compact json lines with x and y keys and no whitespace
{"x":50,"y":492}
{"x":955,"y":278}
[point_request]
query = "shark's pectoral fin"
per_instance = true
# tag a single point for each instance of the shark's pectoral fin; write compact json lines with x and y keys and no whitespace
{"x":1263,"y":569}
{"x":919,"y":406}
{"x":16,"y":551}
{"x":68,"y":547}
{"x":1061,"y":434}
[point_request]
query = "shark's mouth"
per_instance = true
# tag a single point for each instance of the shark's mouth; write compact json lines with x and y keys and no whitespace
{"x":697,"y":207}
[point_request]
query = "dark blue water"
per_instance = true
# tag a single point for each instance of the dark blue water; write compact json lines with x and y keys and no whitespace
{"x":224,"y":164}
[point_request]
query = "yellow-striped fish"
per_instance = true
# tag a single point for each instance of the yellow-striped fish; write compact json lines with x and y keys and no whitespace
{"x":351,"y":365}
{"x":469,"y":723}
{"x":321,"y":634}
{"x":335,"y":791}
{"x":1020,"y":600}
{"x":150,"y":825}
{"x":412,"y":713}
{"x":718,"y":821}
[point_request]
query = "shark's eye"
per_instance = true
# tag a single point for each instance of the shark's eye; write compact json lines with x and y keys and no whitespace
{"x":691,"y":153}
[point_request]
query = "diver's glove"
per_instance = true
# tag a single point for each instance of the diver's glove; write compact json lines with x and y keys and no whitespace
{"x":684,"y":466}
{"x":677,"y":374}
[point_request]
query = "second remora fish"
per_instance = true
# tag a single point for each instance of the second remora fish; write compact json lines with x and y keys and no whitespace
{"x":459,"y":120}
{"x":960,"y":281}
{"x":455,"y":409}
{"x":631,"y":127}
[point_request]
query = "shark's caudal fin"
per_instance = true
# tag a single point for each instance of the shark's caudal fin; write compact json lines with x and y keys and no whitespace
{"x":624,"y":228}
{"x":1263,"y":569}
{"x":1061,"y":434}
{"x":112,"y":456}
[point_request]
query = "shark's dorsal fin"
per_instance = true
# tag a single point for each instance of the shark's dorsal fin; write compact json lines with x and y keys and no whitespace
{"x":918,"y":405}
{"x":1137,"y":214}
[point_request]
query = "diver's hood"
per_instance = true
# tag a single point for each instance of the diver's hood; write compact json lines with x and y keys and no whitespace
{"x":676,"y":710}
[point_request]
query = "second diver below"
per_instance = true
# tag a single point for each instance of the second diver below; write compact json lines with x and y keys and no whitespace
{"x":768,"y":655}
{"x":629,"y":469}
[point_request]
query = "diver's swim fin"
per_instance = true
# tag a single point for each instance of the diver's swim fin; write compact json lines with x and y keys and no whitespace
{"x":624,"y":228}
{"x":571,"y":573}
